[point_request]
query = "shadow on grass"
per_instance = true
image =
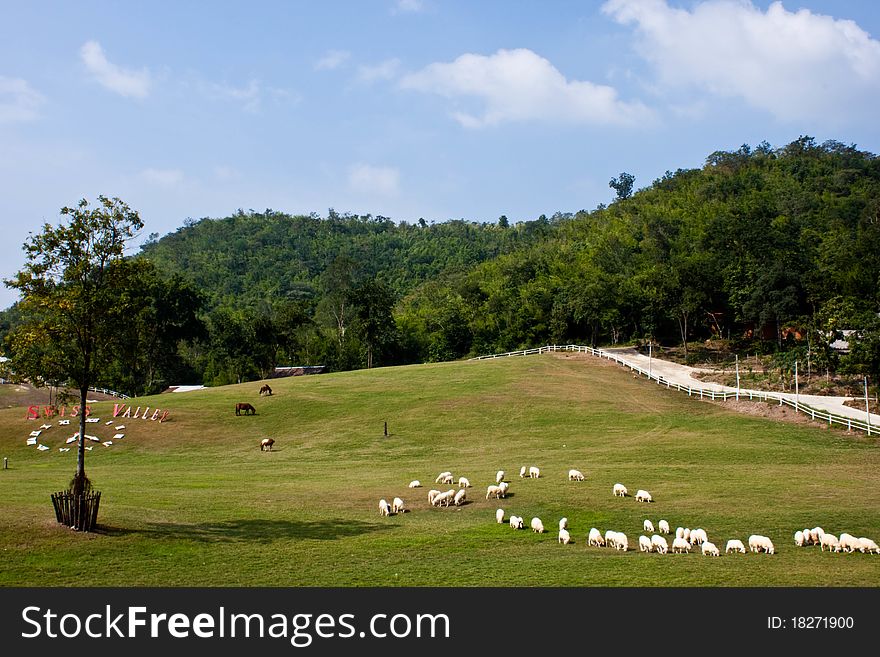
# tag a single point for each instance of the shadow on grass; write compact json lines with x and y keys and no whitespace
{"x":259,"y":530}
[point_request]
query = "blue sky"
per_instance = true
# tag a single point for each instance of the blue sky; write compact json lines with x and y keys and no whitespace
{"x":438,"y":109}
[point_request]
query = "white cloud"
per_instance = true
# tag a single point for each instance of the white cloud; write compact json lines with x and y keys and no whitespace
{"x":386,"y":70}
{"x":18,"y":100}
{"x":162,"y":177}
{"x":519,"y":85}
{"x":249,"y":96}
{"x":378,"y":180}
{"x":409,"y":6}
{"x":332,"y":59}
{"x":795,"y":65}
{"x":131,"y":84}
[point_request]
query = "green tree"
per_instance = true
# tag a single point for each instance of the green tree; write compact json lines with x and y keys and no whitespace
{"x":623,"y":185}
{"x":75,"y":300}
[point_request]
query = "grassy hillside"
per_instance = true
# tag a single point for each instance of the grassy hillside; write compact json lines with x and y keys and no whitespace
{"x":193,"y":501}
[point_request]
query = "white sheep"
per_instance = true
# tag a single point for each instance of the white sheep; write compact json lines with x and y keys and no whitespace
{"x":610,"y":538}
{"x":595,"y":538}
{"x":680,"y":545}
{"x":499,"y":516}
{"x":575,"y":475}
{"x":648,"y":526}
{"x":397,"y":505}
{"x":709,"y":549}
{"x":432,"y":495}
{"x":645,"y":544}
{"x":442,"y":477}
{"x":516,"y":522}
{"x":736,"y":545}
{"x":663,"y":527}
{"x":799,"y":538}
{"x":868,"y":545}
{"x":621,"y":542}
{"x":698,"y":536}
{"x":444,"y":498}
{"x":537,"y":525}
{"x":499,"y":476}
{"x":687,"y":534}
{"x":564,"y":536}
{"x":816,"y":534}
{"x":563,"y":523}
{"x":660,"y":544}
{"x":460,"y":497}
{"x":848,"y":542}
{"x":830,"y":541}
{"x":534,"y":472}
{"x":503,"y":486}
{"x":522,"y":472}
{"x":758,"y":543}
{"x":619,"y":490}
{"x":679,"y":532}
{"x":493,"y":490}
{"x":808,"y":540}
{"x":464,"y":482}
{"x":643,"y":496}
{"x":415,"y":483}
{"x":384,"y":508}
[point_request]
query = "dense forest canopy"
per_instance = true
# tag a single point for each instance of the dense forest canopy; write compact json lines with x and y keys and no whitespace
{"x":757,"y":241}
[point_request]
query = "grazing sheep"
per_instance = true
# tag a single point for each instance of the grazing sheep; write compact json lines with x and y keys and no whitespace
{"x":679,"y":532}
{"x":415,"y":483}
{"x":698,"y":537}
{"x":621,"y":542}
{"x":816,"y":534}
{"x":516,"y":522}
{"x":645,"y":544}
{"x":564,"y":536}
{"x":610,"y":538}
{"x":595,"y":538}
{"x":384,"y":508}
{"x":534,"y":472}
{"x":619,"y":490}
{"x":643,"y":496}
{"x":799,"y":538}
{"x":443,"y":498}
{"x":709,"y":549}
{"x":432,"y":495}
{"x":758,"y":543}
{"x":687,"y":534}
{"x":867,"y":545}
{"x":663,"y":527}
{"x":397,"y":505}
{"x":537,"y":525}
{"x":648,"y":526}
{"x":830,"y":541}
{"x":460,"y":497}
{"x":575,"y":475}
{"x":522,"y":472}
{"x":463,"y":482}
{"x":807,"y":539}
{"x":499,"y":516}
{"x":563,"y":523}
{"x":499,"y":476}
{"x":493,"y":490}
{"x":680,"y":545}
{"x":848,"y":543}
{"x":442,"y":478}
{"x":736,"y":545}
{"x":503,"y":486}
{"x":660,"y":544}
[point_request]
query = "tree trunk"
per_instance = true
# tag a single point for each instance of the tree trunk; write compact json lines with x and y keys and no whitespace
{"x":79,"y":479}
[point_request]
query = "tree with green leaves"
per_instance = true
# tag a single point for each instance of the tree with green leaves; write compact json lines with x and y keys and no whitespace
{"x":74,"y":300}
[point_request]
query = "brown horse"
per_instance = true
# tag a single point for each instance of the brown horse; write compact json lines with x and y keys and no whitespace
{"x":266,"y":444}
{"x":266,"y":390}
{"x":244,"y":406}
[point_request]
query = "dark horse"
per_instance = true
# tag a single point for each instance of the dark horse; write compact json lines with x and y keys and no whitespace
{"x":266,"y":390}
{"x":244,"y":406}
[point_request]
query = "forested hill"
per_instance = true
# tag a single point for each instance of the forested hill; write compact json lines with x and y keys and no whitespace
{"x":756,"y":242}
{"x":254,"y":258}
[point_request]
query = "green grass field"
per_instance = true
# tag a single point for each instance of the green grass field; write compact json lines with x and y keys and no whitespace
{"x":194,"y":502}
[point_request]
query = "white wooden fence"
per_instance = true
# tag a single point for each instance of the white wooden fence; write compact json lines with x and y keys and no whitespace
{"x":109,"y":392}
{"x":703,"y":393}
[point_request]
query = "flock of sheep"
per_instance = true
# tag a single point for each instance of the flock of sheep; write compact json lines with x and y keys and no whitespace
{"x":685,"y":538}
